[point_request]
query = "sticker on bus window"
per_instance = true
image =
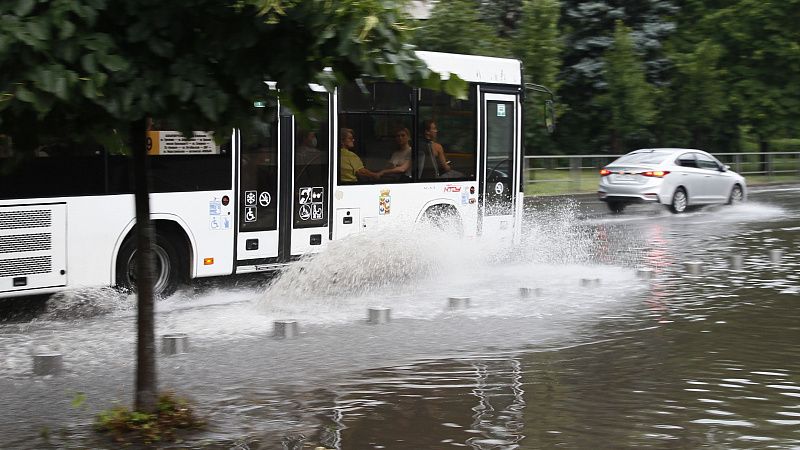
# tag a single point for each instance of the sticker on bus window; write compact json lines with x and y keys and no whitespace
{"x":316,"y":194}
{"x":250,"y":214}
{"x":304,"y":195}
{"x":305,"y":212}
{"x":264,"y":199}
{"x":384,"y":202}
{"x":250,"y":198}
{"x":316,"y":211}
{"x":214,"y":208}
{"x":501,"y":110}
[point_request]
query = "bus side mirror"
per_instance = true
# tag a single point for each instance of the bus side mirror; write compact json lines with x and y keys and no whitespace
{"x":549,"y":116}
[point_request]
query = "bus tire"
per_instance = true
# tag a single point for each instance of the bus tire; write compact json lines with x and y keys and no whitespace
{"x":169,"y":265}
{"x":444,"y":218}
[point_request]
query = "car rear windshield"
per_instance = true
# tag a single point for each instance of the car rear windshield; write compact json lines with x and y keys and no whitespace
{"x":642,"y":158}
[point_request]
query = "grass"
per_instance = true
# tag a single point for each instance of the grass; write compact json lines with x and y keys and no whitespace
{"x":559,"y":182}
{"x":127,"y":427}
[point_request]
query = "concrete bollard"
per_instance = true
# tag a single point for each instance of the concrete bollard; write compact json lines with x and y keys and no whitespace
{"x":527,"y":292}
{"x":585,"y":282}
{"x":694,"y":267}
{"x":172,"y":344}
{"x":285,"y":329}
{"x":47,"y":364}
{"x":645,"y":273}
{"x":775,"y":255}
{"x":378,"y":316}
{"x":458,"y":302}
{"x":737,"y":262}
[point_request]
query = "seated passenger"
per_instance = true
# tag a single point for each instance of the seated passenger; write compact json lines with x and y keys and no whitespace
{"x":351,"y":169}
{"x":400,"y":161}
{"x":432,"y":154}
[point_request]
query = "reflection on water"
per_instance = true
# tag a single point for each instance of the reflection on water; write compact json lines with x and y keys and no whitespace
{"x":678,"y":361}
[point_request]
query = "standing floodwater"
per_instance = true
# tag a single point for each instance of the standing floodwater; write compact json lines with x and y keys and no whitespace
{"x":590,"y":356}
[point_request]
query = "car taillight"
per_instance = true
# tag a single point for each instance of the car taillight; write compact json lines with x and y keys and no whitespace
{"x":656,"y":173}
{"x":604,"y":172}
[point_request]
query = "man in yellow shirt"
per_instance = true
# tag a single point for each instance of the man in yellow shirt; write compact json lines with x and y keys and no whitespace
{"x":351,"y":169}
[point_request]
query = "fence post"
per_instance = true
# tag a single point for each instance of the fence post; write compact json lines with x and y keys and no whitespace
{"x":575,"y":172}
{"x":770,"y":171}
{"x":738,"y":162}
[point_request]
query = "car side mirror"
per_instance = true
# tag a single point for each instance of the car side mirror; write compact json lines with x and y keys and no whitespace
{"x":725,"y":168}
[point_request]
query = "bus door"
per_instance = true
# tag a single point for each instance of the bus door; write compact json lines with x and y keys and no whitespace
{"x":259,"y":191}
{"x":500,"y":142}
{"x":310,"y":181}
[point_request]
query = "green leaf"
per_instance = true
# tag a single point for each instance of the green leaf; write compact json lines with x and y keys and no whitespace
{"x":24,"y":7}
{"x":38,"y":30}
{"x":78,"y":400}
{"x":67,"y":30}
{"x":25,"y":95}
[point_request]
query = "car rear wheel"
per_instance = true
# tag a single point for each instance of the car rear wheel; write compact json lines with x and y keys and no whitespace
{"x":616,"y":207}
{"x":679,"y":201}
{"x":737,"y":195}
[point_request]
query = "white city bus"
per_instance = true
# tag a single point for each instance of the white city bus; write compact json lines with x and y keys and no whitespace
{"x":269,"y":194}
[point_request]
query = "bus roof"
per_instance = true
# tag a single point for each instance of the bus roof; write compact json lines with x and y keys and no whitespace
{"x":480,"y":69}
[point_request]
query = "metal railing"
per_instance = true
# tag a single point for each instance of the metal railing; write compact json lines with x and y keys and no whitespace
{"x":578,"y":173}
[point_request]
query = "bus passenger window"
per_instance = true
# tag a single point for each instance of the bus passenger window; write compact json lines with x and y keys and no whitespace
{"x":371,"y":151}
{"x":447,"y":144}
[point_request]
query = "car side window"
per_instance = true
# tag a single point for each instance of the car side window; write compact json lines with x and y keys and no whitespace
{"x":687,"y":160}
{"x":706,"y":162}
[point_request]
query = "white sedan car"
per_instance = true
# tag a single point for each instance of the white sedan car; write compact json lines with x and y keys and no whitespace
{"x":675,"y":177}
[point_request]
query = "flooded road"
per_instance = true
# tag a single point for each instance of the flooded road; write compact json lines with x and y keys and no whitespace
{"x":678,"y":361}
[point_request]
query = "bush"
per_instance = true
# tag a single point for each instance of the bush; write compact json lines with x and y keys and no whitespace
{"x":125,"y":426}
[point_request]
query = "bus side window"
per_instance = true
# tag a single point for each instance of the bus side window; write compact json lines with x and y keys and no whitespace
{"x":446,"y":140}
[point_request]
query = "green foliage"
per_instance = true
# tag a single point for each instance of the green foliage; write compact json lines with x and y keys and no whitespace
{"x":455,"y":26}
{"x":78,"y":400}
{"x":126,"y":426}
{"x":628,"y":97}
{"x":588,"y":28}
{"x":504,"y":16}
{"x":761,"y":45}
{"x":695,"y":102}
{"x":86,"y":68}
{"x":538,"y":45}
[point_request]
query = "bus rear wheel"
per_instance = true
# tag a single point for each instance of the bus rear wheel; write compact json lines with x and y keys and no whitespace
{"x":444,"y":218}
{"x":168,"y":269}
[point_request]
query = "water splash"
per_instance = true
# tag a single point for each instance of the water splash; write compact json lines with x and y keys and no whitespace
{"x":411,"y":257}
{"x":81,"y":303}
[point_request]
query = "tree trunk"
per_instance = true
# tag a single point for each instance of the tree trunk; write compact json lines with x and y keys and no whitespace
{"x":146,"y":387}
{"x":616,"y":144}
